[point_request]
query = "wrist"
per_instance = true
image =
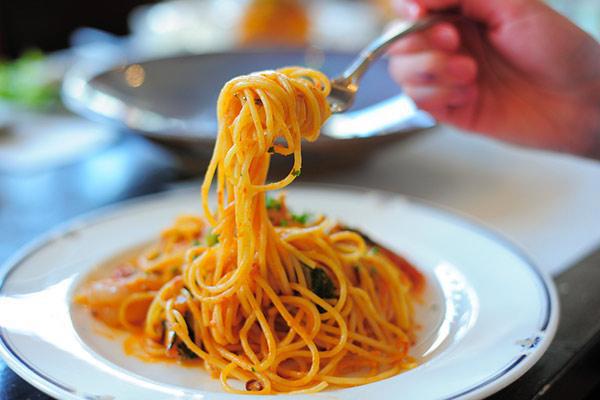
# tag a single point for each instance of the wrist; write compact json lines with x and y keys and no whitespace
{"x":594,"y":149}
{"x":591,"y":126}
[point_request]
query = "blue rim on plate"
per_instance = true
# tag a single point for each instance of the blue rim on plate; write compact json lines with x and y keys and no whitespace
{"x":547,"y":328}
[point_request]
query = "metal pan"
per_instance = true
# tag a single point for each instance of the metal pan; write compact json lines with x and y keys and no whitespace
{"x":172,"y":101}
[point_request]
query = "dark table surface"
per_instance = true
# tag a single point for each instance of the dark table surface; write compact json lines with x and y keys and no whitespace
{"x":33,"y":202}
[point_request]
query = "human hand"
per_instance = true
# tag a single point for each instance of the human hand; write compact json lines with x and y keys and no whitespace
{"x":514,"y":70}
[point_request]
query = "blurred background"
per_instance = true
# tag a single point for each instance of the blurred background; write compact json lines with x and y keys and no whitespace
{"x":105,"y":100}
{"x":173,"y":25}
{"x":102,"y":101}
{"x":196,"y":25}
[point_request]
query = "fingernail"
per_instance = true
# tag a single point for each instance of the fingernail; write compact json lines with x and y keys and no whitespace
{"x":412,"y":10}
{"x":407,"y":8}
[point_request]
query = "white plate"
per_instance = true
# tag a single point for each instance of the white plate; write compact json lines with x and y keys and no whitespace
{"x":488,"y":315}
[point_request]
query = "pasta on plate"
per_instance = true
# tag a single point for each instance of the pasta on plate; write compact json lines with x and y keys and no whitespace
{"x":284,"y":303}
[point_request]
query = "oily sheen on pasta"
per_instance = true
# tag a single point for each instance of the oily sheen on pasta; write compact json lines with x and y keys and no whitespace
{"x":268,"y":301}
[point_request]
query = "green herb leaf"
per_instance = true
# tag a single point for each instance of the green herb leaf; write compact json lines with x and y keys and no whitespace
{"x":320,"y":283}
{"x":24,"y":81}
{"x":273,"y":204}
{"x":253,"y":369}
{"x":283,"y":222}
{"x":301,"y":218}
{"x":271,"y":149}
{"x":374,"y":250}
{"x":212,"y":239}
{"x":296,"y":172}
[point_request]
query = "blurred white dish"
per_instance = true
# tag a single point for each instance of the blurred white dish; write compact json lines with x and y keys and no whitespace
{"x":177,"y":26}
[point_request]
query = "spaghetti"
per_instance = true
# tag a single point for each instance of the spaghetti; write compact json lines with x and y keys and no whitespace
{"x":285,"y":303}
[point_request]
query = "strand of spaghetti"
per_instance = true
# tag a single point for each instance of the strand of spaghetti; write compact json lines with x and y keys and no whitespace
{"x":248,"y":351}
{"x":356,"y":337}
{"x":198,"y":351}
{"x":156,"y":309}
{"x":283,"y":268}
{"x":264,"y":326}
{"x":254,"y":291}
{"x":331,"y":310}
{"x":364,"y":353}
{"x":369,"y":309}
{"x":298,"y":254}
{"x":333,"y":363}
{"x":391,"y":273}
{"x":366,"y":283}
{"x":129,"y":300}
{"x":313,"y":389}
{"x":231,"y":369}
{"x":289,"y":319}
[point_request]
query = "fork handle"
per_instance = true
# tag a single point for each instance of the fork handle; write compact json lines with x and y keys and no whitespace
{"x":377,"y":47}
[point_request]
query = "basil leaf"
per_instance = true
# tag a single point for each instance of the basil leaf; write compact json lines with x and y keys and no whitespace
{"x":320,"y":283}
{"x":301,"y":218}
{"x":273,"y":204}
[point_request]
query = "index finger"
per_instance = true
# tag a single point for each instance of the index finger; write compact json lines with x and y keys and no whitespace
{"x":487,"y":11}
{"x":438,"y":4}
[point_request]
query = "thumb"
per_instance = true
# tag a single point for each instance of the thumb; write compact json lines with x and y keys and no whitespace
{"x":409,"y":9}
{"x":490,"y":12}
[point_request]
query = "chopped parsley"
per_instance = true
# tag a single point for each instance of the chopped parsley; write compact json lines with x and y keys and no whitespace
{"x":271,"y":149}
{"x":301,"y":218}
{"x":253,"y":369}
{"x":296,"y":172}
{"x":283,"y":222}
{"x":212,"y":239}
{"x":374,"y":250}
{"x":23,"y":82}
{"x":273,"y":204}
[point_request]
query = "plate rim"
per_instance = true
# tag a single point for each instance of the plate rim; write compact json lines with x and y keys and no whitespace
{"x":493,"y":384}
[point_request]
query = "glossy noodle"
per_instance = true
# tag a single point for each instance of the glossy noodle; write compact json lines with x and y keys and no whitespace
{"x":268,"y":301}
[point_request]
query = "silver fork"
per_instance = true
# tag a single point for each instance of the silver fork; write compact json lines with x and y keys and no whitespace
{"x":344,"y":87}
